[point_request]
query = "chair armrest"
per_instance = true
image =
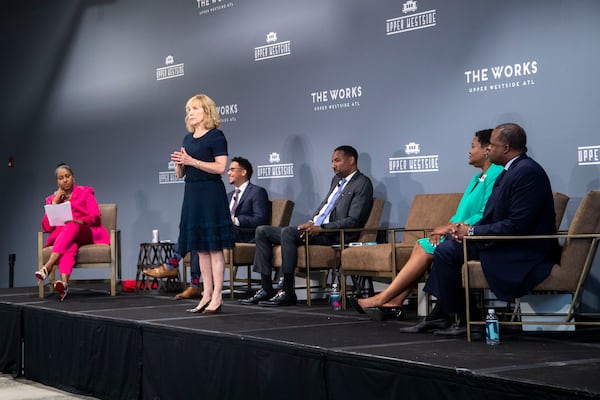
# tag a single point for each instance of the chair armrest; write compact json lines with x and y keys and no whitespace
{"x":380,"y":228}
{"x":466,"y":239}
{"x":554,"y":236}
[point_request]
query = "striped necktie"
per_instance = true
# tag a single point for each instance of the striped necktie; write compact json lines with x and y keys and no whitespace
{"x":324,"y":215}
{"x":236,"y":196}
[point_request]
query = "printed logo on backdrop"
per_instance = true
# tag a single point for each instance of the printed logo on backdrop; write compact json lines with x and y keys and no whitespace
{"x":337,"y":98}
{"x":275,"y":169}
{"x":413,"y":162}
{"x":227,"y":112}
{"x":169,"y":176}
{"x":588,"y":155}
{"x":412,"y":20}
{"x":500,"y":77}
{"x":211,"y":6}
{"x":273,"y":48}
{"x":170,"y":70}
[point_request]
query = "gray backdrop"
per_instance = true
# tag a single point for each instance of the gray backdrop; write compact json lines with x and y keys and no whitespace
{"x":101,"y":85}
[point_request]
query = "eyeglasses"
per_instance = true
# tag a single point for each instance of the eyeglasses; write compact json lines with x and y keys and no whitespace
{"x":233,"y":169}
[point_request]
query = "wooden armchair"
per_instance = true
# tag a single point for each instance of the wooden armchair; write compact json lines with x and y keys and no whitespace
{"x":92,"y":255}
{"x":324,"y":258}
{"x":577,"y":255}
{"x":243,"y":253}
{"x":384,"y":260}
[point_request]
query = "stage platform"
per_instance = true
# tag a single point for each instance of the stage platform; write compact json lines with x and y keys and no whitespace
{"x":146,"y":346}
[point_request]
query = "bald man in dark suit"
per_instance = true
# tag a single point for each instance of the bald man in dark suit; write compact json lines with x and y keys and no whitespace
{"x":521,"y":203}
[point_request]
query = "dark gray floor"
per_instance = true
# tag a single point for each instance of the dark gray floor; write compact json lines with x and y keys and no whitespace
{"x":567,"y":360}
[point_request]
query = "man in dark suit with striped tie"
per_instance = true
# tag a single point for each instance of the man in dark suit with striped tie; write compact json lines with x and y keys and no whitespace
{"x":521,"y":203}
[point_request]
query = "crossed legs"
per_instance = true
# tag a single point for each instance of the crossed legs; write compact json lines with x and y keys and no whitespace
{"x":403,"y":283}
{"x":64,"y":248}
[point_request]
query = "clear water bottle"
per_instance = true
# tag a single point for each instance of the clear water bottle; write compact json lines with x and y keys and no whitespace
{"x":335,"y":297}
{"x":492,"y":328}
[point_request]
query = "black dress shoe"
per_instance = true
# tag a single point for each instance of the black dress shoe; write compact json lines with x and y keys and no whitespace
{"x":280,"y":299}
{"x":353,"y":300}
{"x":427,"y":326}
{"x":258,"y":296}
{"x":384,"y":313}
{"x":453,"y":330}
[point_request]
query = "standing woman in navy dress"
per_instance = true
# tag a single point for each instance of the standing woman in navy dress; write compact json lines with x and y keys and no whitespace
{"x":205,"y":224}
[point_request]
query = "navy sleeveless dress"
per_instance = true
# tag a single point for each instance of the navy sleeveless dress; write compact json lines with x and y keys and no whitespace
{"x":205,"y":223}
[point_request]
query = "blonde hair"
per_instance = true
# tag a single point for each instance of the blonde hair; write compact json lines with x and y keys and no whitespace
{"x":211,"y":116}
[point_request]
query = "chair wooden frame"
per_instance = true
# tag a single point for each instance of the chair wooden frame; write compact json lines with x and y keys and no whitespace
{"x":569,"y":276}
{"x":329,"y":256}
{"x":467,"y":271}
{"x":392,"y":243}
{"x":112,"y":260}
{"x":385,"y":260}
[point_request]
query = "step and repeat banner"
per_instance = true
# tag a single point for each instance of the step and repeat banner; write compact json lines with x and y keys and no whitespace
{"x":405,"y":82}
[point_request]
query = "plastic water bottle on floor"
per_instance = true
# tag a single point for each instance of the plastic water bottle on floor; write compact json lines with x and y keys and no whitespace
{"x":335,"y":297}
{"x":492,"y":328}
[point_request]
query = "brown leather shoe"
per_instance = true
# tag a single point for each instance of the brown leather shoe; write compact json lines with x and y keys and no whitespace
{"x":162,"y":272}
{"x":190,"y":292}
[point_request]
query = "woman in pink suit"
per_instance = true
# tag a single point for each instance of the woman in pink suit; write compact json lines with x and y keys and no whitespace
{"x":85,"y":227}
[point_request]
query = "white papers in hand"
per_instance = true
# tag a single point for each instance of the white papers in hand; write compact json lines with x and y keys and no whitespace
{"x":59,"y":213}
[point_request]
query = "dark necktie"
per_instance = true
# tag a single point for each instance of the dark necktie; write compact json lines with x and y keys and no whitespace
{"x":236,"y":196}
{"x":499,"y":178}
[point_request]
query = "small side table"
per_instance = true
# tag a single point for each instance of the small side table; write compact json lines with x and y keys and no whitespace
{"x":153,"y":255}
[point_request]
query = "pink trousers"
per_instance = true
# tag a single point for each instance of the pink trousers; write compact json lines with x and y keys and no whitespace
{"x":71,"y":236}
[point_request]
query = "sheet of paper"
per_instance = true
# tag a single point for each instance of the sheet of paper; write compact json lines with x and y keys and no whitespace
{"x":59,"y":213}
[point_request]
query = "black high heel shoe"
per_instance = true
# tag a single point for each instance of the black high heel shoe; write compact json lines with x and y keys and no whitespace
{"x":382,"y":313}
{"x":354,"y":302}
{"x":198,"y":310}
{"x":215,"y":311}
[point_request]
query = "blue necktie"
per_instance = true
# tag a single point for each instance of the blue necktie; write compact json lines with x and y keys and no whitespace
{"x":324,"y":215}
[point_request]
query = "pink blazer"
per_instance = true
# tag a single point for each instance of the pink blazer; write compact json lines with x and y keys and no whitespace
{"x":85,"y":208}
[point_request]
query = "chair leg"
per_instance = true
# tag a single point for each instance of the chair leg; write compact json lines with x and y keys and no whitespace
{"x":232,"y":274}
{"x":342,"y":278}
{"x":516,"y":314}
{"x":308,"y":299}
{"x":249,"y":275}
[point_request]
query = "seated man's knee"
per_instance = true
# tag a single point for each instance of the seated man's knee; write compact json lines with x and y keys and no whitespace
{"x":449,"y":251}
{"x":289,"y":234}
{"x":261,"y":231}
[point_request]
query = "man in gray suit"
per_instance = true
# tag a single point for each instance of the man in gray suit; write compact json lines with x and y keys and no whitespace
{"x":347,"y":205}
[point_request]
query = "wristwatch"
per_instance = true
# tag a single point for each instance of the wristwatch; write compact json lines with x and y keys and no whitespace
{"x":471,"y":231}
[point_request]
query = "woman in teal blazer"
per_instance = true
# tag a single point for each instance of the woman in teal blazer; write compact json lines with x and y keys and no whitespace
{"x":469,"y":211}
